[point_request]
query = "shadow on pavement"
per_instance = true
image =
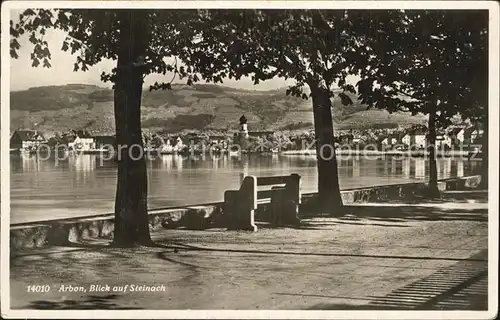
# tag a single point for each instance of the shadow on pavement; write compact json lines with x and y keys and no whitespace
{"x":448,"y":208}
{"x":185,"y":247}
{"x":479,"y":196}
{"x":462,"y":286}
{"x":406,"y":213}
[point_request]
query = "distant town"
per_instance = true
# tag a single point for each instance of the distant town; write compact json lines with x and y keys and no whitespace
{"x":466,"y":137}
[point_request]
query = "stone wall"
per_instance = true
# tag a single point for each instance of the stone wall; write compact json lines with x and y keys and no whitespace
{"x":408,"y":192}
{"x":64,"y":231}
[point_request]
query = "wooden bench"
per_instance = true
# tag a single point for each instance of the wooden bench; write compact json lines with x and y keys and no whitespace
{"x":282,"y":194}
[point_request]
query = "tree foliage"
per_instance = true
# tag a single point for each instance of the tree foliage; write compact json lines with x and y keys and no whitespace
{"x":308,"y":46}
{"x":430,"y":62}
{"x":92,"y":35}
{"x":423,"y":58}
{"x":403,"y":57}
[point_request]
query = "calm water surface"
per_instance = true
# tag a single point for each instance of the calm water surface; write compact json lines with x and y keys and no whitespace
{"x":85,"y":185}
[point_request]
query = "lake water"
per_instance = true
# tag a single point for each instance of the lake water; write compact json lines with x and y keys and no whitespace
{"x":85,"y":184}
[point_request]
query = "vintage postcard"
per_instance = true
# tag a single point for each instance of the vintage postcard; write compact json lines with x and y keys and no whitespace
{"x":249,"y":159}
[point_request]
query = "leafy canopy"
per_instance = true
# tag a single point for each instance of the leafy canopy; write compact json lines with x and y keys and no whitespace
{"x":426,"y":59}
{"x":310,"y":46}
{"x":93,"y":35}
{"x":405,"y":59}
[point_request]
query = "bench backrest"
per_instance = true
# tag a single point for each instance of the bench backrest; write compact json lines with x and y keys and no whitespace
{"x":273,"y":180}
{"x":290,"y":183}
{"x":240,"y":204}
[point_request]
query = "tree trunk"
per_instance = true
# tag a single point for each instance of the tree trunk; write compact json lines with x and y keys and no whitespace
{"x":433,"y":188}
{"x":484,"y":162}
{"x":329,"y":198}
{"x":131,"y":217}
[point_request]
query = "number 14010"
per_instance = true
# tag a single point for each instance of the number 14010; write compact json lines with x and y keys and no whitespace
{"x":38,"y":288}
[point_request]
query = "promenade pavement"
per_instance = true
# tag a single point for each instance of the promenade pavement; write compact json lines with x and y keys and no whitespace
{"x":426,"y":256}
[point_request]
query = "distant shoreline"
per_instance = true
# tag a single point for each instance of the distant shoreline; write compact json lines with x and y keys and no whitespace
{"x":306,"y":152}
{"x":417,"y":154}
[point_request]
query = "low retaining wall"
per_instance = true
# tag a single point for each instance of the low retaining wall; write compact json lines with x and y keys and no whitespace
{"x":64,"y":231}
{"x":406,"y":192}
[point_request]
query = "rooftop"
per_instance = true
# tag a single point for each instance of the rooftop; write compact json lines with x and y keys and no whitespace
{"x":29,"y":135}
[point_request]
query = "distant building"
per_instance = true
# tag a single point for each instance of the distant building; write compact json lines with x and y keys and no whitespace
{"x":457,"y":136}
{"x":406,"y":139}
{"x":395,"y":139}
{"x":217,"y":139}
{"x":244,"y":126}
{"x":345,"y":138}
{"x":415,"y":138}
{"x":387,"y":141}
{"x":443,"y":140}
{"x":476,"y":135}
{"x":167,"y":146}
{"x":178,"y":144}
{"x":83,"y":141}
{"x":466,"y":136}
{"x":260,"y":134}
{"x":356,"y":139}
{"x":392,"y":139}
{"x":105,"y":142}
{"x":27,"y":139}
{"x":172,"y":144}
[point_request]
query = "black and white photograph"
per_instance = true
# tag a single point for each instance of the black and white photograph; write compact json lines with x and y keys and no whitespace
{"x":260,"y":159}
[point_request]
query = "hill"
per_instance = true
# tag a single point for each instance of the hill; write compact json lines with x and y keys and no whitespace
{"x":201,"y":106}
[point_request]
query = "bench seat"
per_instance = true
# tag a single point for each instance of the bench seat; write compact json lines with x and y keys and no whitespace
{"x":284,"y":197}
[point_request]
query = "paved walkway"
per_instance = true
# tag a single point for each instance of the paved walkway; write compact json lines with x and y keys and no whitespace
{"x":382,"y":256}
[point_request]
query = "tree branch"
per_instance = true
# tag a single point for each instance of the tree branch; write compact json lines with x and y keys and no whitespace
{"x":409,"y":95}
{"x":83,"y":44}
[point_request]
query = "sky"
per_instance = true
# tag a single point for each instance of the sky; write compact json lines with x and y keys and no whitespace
{"x":24,"y":76}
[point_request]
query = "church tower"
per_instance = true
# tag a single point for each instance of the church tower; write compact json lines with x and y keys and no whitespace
{"x":243,"y":127}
